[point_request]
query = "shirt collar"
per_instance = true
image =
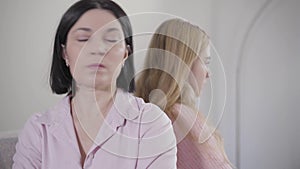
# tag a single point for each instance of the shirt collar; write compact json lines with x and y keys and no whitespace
{"x":125,"y":106}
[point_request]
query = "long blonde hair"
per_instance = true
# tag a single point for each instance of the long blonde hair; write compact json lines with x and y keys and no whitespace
{"x":168,"y":62}
{"x":172,"y":50}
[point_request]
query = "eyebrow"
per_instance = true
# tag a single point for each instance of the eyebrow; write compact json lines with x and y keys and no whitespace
{"x":112,"y":29}
{"x":83,"y":29}
{"x":90,"y":30}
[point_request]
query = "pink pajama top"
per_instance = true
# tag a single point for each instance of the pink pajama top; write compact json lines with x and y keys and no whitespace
{"x":135,"y":135}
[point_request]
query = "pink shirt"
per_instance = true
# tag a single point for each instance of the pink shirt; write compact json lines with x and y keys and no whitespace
{"x":135,"y":135}
{"x":190,"y":153}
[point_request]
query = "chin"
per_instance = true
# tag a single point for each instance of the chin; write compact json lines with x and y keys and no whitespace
{"x":197,"y":94}
{"x":197,"y":90}
{"x":103,"y":84}
{"x":94,"y":84}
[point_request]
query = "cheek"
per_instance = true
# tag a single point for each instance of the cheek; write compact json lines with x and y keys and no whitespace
{"x":200,"y":75}
{"x":119,"y":47}
{"x":202,"y":72}
{"x":119,"y":52}
{"x":76,"y":59}
{"x":197,"y":77}
{"x":72,"y":52}
{"x":116,"y":54}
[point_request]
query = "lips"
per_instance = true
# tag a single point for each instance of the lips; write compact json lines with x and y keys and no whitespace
{"x":96,"y":66}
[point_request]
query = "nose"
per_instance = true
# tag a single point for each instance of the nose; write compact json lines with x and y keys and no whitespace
{"x":208,"y":73}
{"x":97,"y":48}
{"x":99,"y":52}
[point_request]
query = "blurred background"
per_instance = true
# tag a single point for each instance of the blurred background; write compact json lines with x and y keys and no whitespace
{"x":255,"y":75}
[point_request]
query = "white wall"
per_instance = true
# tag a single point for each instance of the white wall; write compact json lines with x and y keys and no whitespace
{"x":270,"y":90}
{"x":27,"y":31}
{"x":260,"y":39}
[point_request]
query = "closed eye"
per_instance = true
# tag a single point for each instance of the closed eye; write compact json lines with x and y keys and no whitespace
{"x":112,"y":35}
{"x":82,"y":40}
{"x":111,"y":40}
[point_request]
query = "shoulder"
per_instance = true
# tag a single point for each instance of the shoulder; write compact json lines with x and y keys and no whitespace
{"x":189,"y":121}
{"x":55,"y":114}
{"x":48,"y":118}
{"x":32,"y":126}
{"x":148,"y":123}
{"x":147,"y":115}
{"x":157,"y":134}
{"x":31,"y":139}
{"x":135,"y":108}
{"x":182,"y":108}
{"x":151,"y":114}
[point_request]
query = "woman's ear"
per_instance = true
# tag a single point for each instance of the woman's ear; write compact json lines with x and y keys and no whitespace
{"x":65,"y":56}
{"x":127,"y":51}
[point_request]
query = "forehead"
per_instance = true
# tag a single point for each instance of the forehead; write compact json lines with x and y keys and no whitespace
{"x":97,"y":19}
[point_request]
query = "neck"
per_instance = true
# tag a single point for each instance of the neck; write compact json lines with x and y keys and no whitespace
{"x":89,"y":108}
{"x":91,"y":102}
